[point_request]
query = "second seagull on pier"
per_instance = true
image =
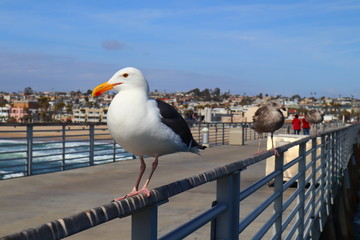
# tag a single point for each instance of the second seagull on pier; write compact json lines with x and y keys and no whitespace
{"x":268,"y":119}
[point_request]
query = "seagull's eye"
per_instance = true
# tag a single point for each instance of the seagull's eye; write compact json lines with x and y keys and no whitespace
{"x":125,"y":75}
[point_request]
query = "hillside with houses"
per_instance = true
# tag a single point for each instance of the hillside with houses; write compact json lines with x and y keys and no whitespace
{"x":208,"y":105}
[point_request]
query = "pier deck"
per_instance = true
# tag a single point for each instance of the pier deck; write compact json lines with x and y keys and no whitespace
{"x":30,"y":201}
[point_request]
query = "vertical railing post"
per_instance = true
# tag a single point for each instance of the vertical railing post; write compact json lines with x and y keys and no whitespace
{"x":243,"y":134}
{"x":223,"y":134}
{"x":323,"y":184}
{"x":278,"y":202}
{"x":92,"y":140}
{"x":313,"y":188}
{"x":301,"y":187}
{"x":29,"y":152}
{"x":114,"y":150}
{"x":63,"y":139}
{"x":144,"y":224}
{"x":216,"y":134}
{"x":228,"y":192}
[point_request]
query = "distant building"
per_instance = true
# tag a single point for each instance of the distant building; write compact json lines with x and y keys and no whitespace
{"x":25,"y":111}
{"x":29,"y":104}
{"x":4,"y":114}
{"x":94,"y":115}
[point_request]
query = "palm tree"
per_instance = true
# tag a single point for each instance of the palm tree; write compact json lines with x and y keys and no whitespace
{"x":44,"y":106}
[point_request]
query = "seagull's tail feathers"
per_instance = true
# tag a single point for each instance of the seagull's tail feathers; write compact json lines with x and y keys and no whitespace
{"x":194,"y":147}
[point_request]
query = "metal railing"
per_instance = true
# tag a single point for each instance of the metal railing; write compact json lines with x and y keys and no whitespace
{"x":321,"y":163}
{"x":28,"y":149}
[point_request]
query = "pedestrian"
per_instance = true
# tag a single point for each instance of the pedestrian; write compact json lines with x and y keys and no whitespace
{"x":305,"y":126}
{"x":296,"y":124}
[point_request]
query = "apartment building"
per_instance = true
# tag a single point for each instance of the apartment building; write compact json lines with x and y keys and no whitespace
{"x":4,"y":114}
{"x":93,"y":115}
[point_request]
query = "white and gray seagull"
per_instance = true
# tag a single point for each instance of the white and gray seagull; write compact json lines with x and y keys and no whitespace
{"x":142,"y":125}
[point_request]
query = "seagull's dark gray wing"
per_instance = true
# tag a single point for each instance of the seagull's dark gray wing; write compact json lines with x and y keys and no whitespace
{"x":171,"y":118}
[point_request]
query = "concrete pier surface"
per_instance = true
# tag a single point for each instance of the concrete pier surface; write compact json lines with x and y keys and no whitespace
{"x":30,"y":201}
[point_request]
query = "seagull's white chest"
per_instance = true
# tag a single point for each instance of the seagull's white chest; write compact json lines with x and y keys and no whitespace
{"x":135,"y":123}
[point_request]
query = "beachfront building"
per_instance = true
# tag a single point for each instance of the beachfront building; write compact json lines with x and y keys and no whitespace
{"x":19,"y":114}
{"x":94,"y":115}
{"x":25,"y":111}
{"x":4,"y":114}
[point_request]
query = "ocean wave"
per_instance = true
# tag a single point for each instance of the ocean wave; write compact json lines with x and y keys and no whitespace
{"x":47,"y":156}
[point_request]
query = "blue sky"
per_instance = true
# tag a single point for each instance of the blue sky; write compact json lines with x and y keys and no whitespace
{"x":247,"y":47}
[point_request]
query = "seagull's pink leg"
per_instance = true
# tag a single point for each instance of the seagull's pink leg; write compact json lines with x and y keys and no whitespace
{"x":273,"y":148}
{"x":145,"y":189}
{"x":258,"y":151}
{"x":136,"y":187}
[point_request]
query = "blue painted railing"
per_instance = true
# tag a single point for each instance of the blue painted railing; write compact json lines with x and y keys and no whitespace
{"x":321,"y":164}
{"x":29,"y":149}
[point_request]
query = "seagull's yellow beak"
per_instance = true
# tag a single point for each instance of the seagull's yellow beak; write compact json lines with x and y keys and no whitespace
{"x":104,"y":87}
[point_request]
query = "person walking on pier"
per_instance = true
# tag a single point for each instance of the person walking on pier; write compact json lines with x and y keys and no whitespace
{"x":296,"y":124}
{"x":305,"y":126}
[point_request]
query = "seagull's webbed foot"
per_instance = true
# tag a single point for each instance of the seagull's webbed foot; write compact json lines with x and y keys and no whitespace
{"x":276,"y":153}
{"x":144,"y":190}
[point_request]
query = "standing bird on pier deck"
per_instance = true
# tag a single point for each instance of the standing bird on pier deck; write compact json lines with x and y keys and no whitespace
{"x":315,"y":117}
{"x":269,"y":118}
{"x":142,"y":125}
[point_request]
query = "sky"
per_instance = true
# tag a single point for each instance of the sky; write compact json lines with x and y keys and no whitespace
{"x":310,"y":48}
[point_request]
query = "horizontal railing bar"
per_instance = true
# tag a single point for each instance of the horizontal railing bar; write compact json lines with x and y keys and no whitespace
{"x":293,"y":230}
{"x":12,"y":138}
{"x":15,"y":144}
{"x":73,"y":158}
{"x":292,"y":162}
{"x":288,"y":202}
{"x":307,"y":206}
{"x":46,"y":149}
{"x":309,"y":178}
{"x":40,"y":170}
{"x":291,"y":181}
{"x":13,"y":166}
{"x":20,"y":151}
{"x":13,"y":159}
{"x":46,"y":137}
{"x":307,"y":221}
{"x":307,"y":166}
{"x":46,"y":155}
{"x":75,"y":140}
{"x":47,"y":130}
{"x":257,"y":211}
{"x":77,"y":152}
{"x":42,"y":142}
{"x":290,"y":217}
{"x":102,"y":160}
{"x":70,"y":165}
{"x":50,"y":161}
{"x":265,"y":228}
{"x":194,"y":224}
{"x":257,"y":185}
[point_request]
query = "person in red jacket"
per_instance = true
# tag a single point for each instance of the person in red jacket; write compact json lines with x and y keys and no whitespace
{"x":305,"y":126}
{"x":296,"y":124}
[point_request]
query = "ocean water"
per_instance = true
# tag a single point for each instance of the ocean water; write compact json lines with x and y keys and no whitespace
{"x":50,"y":156}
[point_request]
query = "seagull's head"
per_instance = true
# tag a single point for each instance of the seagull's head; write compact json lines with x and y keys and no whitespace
{"x":126,"y":78}
{"x":277,"y":105}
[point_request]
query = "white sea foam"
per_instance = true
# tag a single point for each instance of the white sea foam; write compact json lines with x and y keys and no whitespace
{"x":50,"y":154}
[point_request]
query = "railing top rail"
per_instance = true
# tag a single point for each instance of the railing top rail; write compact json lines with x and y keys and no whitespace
{"x":87,"y":219}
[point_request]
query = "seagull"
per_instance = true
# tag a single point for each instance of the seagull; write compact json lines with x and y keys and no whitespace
{"x":314,"y":117}
{"x":142,"y":125}
{"x":269,"y":118}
